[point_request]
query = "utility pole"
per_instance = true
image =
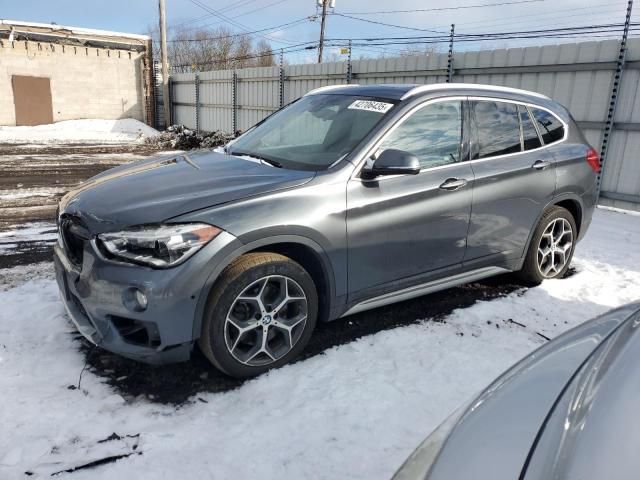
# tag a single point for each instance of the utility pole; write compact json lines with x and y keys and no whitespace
{"x":322,"y":22}
{"x":165,"y":65}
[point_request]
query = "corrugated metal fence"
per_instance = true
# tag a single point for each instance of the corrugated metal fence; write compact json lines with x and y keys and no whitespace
{"x":578,"y":75}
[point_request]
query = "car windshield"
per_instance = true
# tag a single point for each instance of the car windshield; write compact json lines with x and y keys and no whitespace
{"x":314,"y":132}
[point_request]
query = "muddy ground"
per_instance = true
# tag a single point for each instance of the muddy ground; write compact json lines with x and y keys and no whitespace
{"x":32,"y":181}
{"x":31,"y":184}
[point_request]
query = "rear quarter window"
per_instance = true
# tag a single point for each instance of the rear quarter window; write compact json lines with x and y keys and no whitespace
{"x":550,"y":127}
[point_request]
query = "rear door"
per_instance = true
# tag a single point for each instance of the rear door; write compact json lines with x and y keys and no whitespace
{"x":514,"y":180}
{"x":404,"y":226}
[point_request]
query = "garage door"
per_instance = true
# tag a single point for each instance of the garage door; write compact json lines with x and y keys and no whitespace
{"x":32,"y":98}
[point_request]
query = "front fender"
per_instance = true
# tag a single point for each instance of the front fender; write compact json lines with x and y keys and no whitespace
{"x":246,"y":244}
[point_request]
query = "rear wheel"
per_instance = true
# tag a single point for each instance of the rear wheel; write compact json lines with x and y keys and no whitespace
{"x":551,"y":248}
{"x":260,"y":314}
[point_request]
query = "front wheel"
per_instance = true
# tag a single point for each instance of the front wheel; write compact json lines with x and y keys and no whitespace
{"x":551,"y":248}
{"x":260,"y":314}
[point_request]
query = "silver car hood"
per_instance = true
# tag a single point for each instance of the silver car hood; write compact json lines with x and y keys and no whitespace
{"x":593,"y":432}
{"x":494,"y":437}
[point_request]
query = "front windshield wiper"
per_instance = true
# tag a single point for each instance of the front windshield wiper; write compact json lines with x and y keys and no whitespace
{"x":273,"y":163}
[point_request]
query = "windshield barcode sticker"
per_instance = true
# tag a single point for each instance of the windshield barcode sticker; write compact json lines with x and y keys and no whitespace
{"x":371,"y":106}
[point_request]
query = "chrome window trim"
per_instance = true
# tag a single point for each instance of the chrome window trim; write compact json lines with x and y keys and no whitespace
{"x":361,"y":163}
{"x":528,"y":105}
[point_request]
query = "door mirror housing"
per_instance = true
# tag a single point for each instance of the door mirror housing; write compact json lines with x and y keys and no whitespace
{"x":393,"y":162}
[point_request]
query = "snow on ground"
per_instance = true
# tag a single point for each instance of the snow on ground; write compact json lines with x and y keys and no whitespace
{"x":21,"y":193}
{"x":87,"y":131}
{"x":36,"y":232}
{"x":354,"y":412}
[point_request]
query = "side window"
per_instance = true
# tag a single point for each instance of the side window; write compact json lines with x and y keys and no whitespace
{"x":433,"y":134}
{"x":497,"y":129}
{"x":550,"y":127}
{"x":529,"y":133}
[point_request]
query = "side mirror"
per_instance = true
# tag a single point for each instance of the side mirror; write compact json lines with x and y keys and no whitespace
{"x":393,"y":162}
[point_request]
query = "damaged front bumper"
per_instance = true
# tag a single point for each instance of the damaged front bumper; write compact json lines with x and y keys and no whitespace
{"x":97,"y":296}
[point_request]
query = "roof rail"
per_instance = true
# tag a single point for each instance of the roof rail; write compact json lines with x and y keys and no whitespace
{"x":330,"y":87}
{"x":476,"y":86}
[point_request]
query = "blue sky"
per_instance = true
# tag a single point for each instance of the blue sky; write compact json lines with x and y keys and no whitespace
{"x":137,"y":16}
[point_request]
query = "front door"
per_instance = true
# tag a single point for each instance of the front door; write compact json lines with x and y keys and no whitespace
{"x":402,"y":229}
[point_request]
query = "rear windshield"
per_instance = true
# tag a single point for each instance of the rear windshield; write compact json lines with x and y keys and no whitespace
{"x":314,"y":132}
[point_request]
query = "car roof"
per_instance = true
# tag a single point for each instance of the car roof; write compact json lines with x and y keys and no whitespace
{"x":405,"y":91}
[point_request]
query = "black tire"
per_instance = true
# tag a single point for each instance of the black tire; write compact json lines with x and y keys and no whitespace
{"x":234,"y":280}
{"x":531,"y":272}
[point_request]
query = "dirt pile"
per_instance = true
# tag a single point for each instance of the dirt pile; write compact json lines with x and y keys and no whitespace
{"x":179,"y":137}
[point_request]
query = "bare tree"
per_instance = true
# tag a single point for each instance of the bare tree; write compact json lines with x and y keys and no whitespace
{"x":243,"y":53}
{"x":414,"y":51}
{"x":212,"y":49}
{"x":264,"y":54}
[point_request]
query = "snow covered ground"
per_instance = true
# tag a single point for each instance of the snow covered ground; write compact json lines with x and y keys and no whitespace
{"x":87,"y":131}
{"x":354,"y":412}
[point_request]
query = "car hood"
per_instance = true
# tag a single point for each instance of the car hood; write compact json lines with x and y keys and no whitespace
{"x":495,"y":434}
{"x":158,"y":189}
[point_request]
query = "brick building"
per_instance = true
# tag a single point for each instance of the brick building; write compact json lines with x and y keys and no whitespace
{"x":50,"y":73}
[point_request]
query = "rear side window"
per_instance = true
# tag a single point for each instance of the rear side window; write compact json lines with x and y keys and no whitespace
{"x":550,"y":127}
{"x":433,"y":134}
{"x":529,"y":134}
{"x":497,"y":129}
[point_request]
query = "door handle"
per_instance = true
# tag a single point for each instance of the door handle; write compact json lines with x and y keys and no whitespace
{"x":453,"y":183}
{"x":540,"y":164}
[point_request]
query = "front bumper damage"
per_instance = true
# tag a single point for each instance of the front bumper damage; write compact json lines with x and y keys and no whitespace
{"x":95,"y":293}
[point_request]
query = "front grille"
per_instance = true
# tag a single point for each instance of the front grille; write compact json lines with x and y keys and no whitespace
{"x":74,"y":235}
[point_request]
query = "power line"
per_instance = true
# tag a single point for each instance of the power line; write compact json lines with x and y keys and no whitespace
{"x":292,"y":49}
{"x":220,"y":37}
{"x":385,"y":24}
{"x":583,"y":28}
{"x":223,"y":10}
{"x":249,"y":12}
{"x":528,"y":18}
{"x":231,"y":21}
{"x":386,"y":43}
{"x":461,"y":7}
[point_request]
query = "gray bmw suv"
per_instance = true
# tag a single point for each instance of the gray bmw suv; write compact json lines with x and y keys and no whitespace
{"x":350,"y":198}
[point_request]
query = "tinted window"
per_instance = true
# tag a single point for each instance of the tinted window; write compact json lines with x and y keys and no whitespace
{"x":497,"y":129}
{"x":433,"y":134}
{"x":529,"y":133}
{"x":550,"y":127}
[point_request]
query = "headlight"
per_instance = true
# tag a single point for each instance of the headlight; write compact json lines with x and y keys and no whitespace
{"x":159,"y":246}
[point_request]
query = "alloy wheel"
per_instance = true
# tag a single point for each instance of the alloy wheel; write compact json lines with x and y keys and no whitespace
{"x":266,"y":320}
{"x":554,"y":249}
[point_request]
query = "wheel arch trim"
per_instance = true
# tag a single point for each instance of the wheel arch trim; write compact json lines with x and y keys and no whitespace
{"x":233,"y":254}
{"x":553,"y":202}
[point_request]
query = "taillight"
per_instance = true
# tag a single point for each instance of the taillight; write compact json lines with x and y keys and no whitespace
{"x":593,"y":159}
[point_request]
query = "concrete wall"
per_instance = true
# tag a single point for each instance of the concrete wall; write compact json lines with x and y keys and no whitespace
{"x":85,"y":82}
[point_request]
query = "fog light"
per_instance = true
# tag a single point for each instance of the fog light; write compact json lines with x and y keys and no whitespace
{"x":141,"y":298}
{"x":134,"y":299}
